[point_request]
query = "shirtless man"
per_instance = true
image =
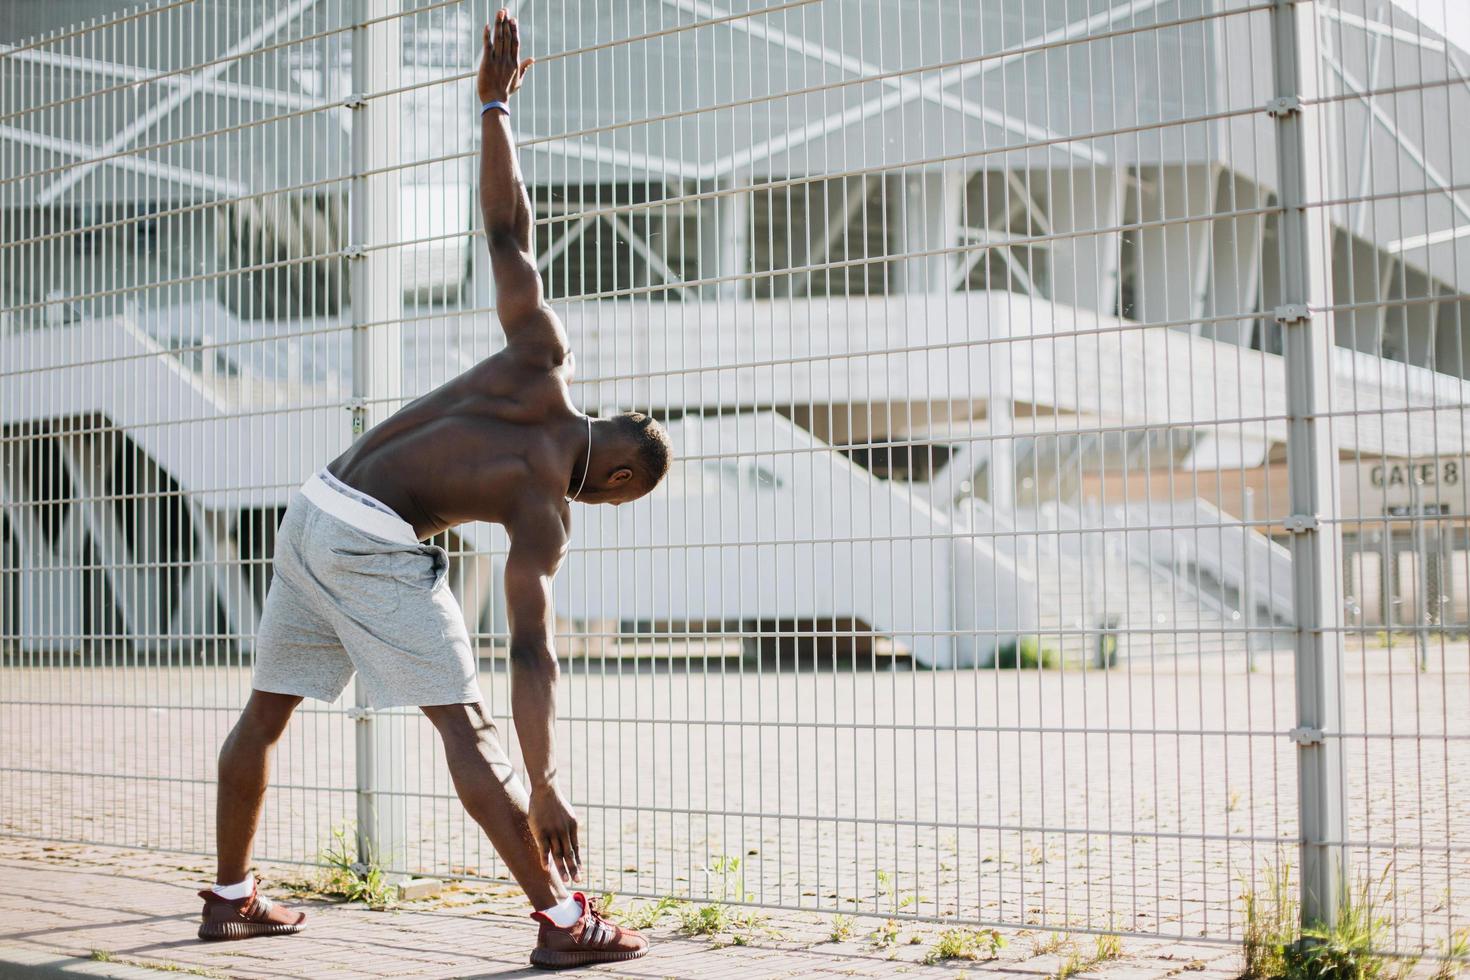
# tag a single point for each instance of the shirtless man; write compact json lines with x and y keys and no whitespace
{"x":356,"y":590}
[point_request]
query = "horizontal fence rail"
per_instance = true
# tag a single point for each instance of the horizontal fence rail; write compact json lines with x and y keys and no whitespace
{"x":1068,"y":527}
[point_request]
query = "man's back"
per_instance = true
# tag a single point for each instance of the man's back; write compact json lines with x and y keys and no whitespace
{"x":474,"y":447}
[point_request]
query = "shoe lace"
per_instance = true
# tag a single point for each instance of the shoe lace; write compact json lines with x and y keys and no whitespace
{"x":260,"y":907}
{"x":598,"y":929}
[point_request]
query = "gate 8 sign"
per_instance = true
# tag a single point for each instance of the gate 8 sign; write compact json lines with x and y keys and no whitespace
{"x":1402,"y":487}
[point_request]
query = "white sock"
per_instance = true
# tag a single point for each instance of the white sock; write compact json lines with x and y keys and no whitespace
{"x":564,"y":913}
{"x":236,"y":892}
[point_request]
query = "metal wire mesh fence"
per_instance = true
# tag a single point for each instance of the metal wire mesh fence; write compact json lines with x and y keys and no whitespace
{"x":1069,"y":520}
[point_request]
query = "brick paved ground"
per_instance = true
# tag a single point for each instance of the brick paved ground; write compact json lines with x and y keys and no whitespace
{"x":1137,"y":799}
{"x":108,"y":912}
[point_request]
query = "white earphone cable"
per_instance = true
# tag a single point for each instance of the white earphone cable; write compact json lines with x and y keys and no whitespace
{"x":588,"y":465}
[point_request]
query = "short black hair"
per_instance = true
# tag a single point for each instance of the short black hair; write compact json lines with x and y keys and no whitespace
{"x":651,"y":443}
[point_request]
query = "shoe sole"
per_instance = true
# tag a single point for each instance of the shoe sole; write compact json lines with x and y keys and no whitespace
{"x":550,"y":959}
{"x":222,"y":931}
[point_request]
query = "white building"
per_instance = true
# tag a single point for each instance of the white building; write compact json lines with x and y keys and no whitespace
{"x":932,"y":332}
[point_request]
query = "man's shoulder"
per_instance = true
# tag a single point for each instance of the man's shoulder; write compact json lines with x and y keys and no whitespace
{"x":541,"y":522}
{"x":524,"y":366}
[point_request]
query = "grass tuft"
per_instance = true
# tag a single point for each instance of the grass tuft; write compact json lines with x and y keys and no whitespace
{"x":842,"y":928}
{"x":1270,"y":925}
{"x":103,"y":956}
{"x":705,"y":920}
{"x":1072,"y":964}
{"x":352,"y":880}
{"x":1278,"y":947}
{"x":1347,"y":949}
{"x":965,"y":944}
{"x":1454,"y":951}
{"x":1048,"y":943}
{"x":1106,"y":947}
{"x":886,"y":935}
{"x":1072,"y":958}
{"x":649,"y":914}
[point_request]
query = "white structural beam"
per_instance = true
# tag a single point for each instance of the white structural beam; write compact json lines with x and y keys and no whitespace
{"x":140,"y":165}
{"x":576,"y":149}
{"x":220,"y":571}
{"x":133,"y":73}
{"x":945,"y":80}
{"x":1432,"y":238}
{"x":1365,"y":151}
{"x":186,"y":90}
{"x":939,"y":96}
{"x":573,"y":231}
{"x":1381,"y":29}
{"x":133,"y":581}
{"x":837,"y":227}
{"x":1026,"y":200}
{"x":1407,"y":145}
{"x":42,"y":571}
{"x":654,"y":260}
{"x":991,"y":241}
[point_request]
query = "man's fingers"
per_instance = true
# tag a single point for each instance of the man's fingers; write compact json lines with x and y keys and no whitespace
{"x":567,"y":866}
{"x":559,"y":859}
{"x":569,"y":855}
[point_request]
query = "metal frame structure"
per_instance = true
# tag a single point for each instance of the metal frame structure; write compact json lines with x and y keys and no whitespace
{"x":1068,"y":522}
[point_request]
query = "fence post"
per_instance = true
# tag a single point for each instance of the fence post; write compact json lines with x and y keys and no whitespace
{"x":377,"y":307}
{"x":1311,"y":455}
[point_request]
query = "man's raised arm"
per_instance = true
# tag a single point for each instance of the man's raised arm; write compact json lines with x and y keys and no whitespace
{"x":538,"y":540}
{"x":506,"y":207}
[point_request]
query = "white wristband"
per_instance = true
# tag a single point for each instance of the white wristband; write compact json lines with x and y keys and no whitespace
{"x":497,"y":104}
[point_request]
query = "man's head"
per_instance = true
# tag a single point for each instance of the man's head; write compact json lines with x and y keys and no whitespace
{"x":630,"y":455}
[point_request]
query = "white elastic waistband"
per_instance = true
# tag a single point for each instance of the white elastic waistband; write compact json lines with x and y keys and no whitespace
{"x":356,"y":513}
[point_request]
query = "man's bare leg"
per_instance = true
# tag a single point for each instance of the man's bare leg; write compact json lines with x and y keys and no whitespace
{"x":244,"y":768}
{"x":491,"y":793}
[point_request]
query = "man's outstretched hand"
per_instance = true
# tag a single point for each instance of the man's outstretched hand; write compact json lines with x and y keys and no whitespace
{"x":501,"y":67}
{"x":555,"y":827}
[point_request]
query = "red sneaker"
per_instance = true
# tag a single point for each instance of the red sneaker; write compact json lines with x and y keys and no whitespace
{"x":244,"y":918}
{"x":591,"y":939}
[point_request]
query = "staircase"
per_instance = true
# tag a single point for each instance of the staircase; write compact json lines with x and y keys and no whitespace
{"x":1143,"y":574}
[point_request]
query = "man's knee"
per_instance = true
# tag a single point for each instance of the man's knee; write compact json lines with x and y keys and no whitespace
{"x":264,"y":719}
{"x":464,"y":727}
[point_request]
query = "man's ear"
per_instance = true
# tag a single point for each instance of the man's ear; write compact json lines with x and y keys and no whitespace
{"x":620,"y":476}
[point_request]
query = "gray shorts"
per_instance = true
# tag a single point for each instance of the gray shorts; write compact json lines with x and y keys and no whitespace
{"x":354,"y":590}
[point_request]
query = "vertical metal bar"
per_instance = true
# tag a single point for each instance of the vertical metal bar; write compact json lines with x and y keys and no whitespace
{"x":377,"y":300}
{"x":1311,"y":457}
{"x":1247,"y":588}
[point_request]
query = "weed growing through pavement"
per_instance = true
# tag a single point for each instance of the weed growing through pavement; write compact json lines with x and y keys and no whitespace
{"x":842,"y":928}
{"x":353,"y":880}
{"x":965,"y":944}
{"x":1455,"y":949}
{"x":1277,"y":946}
{"x":649,"y":914}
